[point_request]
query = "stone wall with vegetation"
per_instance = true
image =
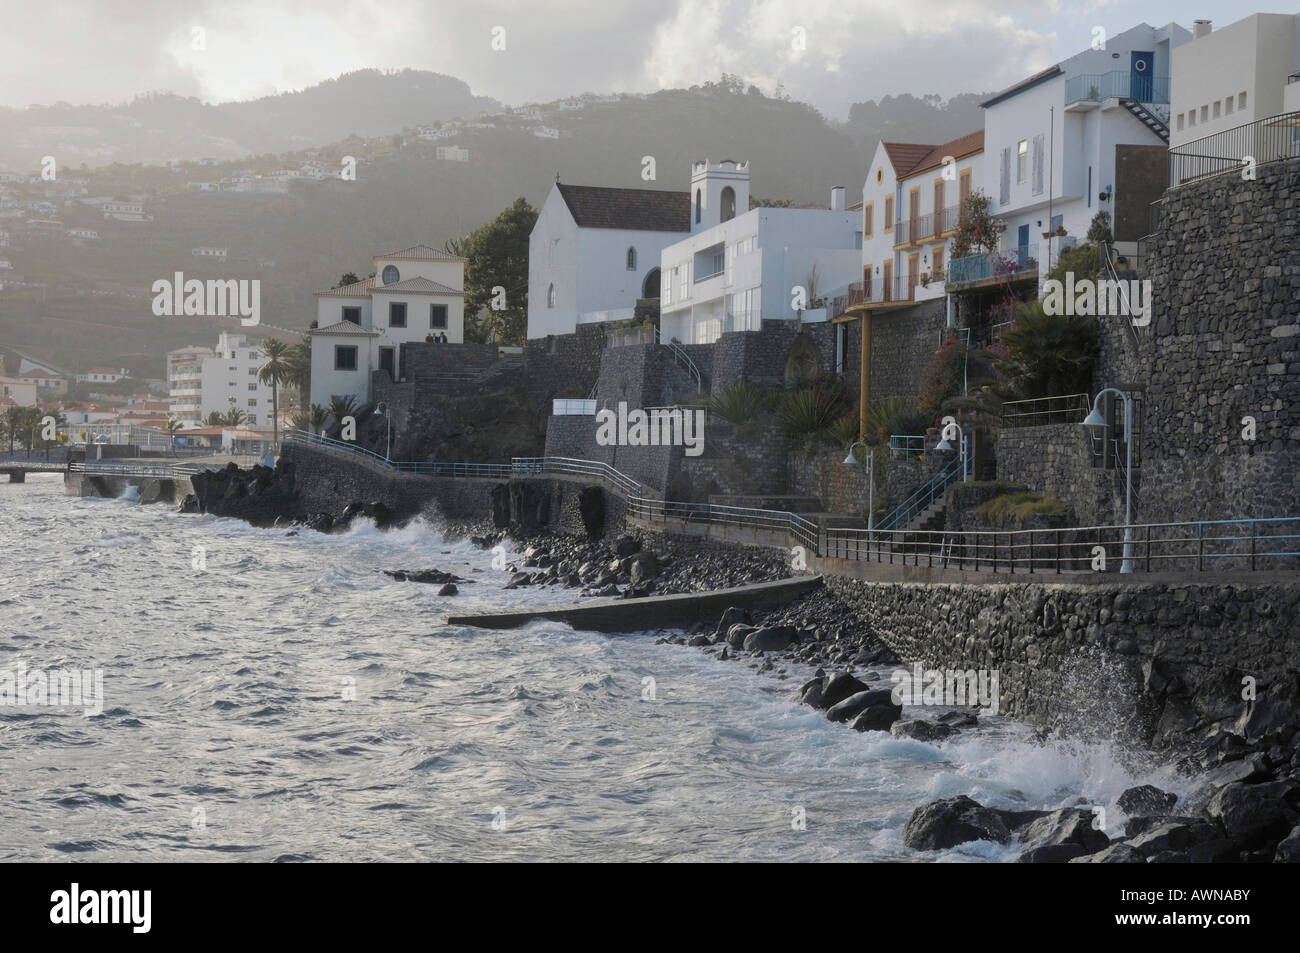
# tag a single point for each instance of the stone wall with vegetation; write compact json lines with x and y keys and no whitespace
{"x":1056,"y":460}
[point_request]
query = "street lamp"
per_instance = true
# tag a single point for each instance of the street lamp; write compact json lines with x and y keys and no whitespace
{"x":852,"y":461}
{"x":382,"y":410}
{"x":1095,"y":419}
{"x":952,"y":429}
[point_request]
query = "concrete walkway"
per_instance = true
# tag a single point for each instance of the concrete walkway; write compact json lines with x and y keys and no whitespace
{"x":636,"y":615}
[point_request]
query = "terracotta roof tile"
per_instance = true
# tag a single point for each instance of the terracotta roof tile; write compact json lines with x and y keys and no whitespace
{"x":962,"y":146}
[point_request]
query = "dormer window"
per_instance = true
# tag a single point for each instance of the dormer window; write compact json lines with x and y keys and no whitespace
{"x":391,"y":276}
{"x":728,"y":204}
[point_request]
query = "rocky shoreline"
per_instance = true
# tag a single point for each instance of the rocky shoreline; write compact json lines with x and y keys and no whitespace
{"x":1251,"y":812}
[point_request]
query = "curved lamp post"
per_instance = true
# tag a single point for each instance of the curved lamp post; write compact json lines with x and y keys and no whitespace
{"x":1095,"y":419}
{"x":951,"y":430}
{"x":852,"y":461}
{"x":382,"y":410}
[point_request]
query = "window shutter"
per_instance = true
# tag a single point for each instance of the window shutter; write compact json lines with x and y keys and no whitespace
{"x":1004,"y":177}
{"x":1038,"y":164}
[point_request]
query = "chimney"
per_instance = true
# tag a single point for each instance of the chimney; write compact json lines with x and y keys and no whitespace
{"x":837,"y":199}
{"x":1200,"y":28}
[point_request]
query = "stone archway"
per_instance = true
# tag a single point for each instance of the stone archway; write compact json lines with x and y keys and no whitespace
{"x":650,"y":286}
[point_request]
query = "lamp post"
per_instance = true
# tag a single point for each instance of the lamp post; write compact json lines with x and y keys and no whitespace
{"x":950,"y":430}
{"x":852,"y":461}
{"x":1095,"y":419}
{"x":382,"y":410}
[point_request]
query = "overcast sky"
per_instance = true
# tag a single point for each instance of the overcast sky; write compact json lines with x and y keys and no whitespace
{"x":99,"y":51}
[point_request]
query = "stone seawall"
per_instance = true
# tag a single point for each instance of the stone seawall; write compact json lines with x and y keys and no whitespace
{"x":1080,"y":658}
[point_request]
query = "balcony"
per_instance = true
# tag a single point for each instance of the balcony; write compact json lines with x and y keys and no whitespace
{"x":898,"y":290}
{"x":910,"y":231}
{"x":1012,"y":263}
{"x":1088,"y":90}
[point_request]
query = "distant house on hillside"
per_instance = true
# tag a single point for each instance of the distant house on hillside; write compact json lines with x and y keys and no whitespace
{"x":595,"y":251}
{"x":417,"y":293}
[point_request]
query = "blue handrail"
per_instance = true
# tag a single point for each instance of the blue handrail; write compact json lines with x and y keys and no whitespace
{"x":903,"y":514}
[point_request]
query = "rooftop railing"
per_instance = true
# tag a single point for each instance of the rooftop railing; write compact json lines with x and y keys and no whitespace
{"x":1016,"y":262}
{"x":1041,"y":411}
{"x":1117,"y":84}
{"x":1233,"y":150}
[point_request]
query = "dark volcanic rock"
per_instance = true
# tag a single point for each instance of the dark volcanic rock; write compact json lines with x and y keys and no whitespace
{"x":1146,"y":799}
{"x":1052,"y":854}
{"x":1070,"y":825}
{"x":448,"y":590}
{"x":952,"y":821}
{"x":921,"y":730}
{"x":838,"y":687}
{"x":775,"y":638}
{"x":1252,"y":811}
{"x":877,"y":717}
{"x":857,"y":703}
{"x":1116,"y":853}
{"x":430,"y":576}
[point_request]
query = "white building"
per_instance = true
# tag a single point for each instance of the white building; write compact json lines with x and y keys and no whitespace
{"x":1246,"y":71}
{"x":594,"y":252}
{"x":201,"y":381}
{"x":741,"y":265}
{"x":19,"y":392}
{"x":546,"y":132}
{"x":211,"y":253}
{"x":451,"y":154}
{"x":102,"y":375}
{"x":1050,"y":145}
{"x":126,"y":211}
{"x":418,"y":293}
{"x":911,"y":206}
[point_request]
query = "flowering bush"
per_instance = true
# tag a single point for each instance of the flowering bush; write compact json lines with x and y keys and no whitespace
{"x":942,"y":377}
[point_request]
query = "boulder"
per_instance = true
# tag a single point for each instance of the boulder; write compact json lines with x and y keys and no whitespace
{"x":1252,"y":811}
{"x":859,"y":702}
{"x":626,"y":546}
{"x":737,"y":634}
{"x":1146,"y":799}
{"x":734,"y":615}
{"x":1288,"y":850}
{"x":448,"y":590}
{"x":811,"y":693}
{"x":1116,"y":853}
{"x":1069,"y":825}
{"x":773,"y":638}
{"x":920,"y":730}
{"x":1052,"y":854}
{"x":840,"y":686}
{"x":643,"y":567}
{"x":952,"y":821}
{"x":877,"y":717}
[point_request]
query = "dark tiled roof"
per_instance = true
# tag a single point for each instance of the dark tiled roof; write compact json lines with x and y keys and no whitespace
{"x":1022,"y":85}
{"x":904,"y":155}
{"x":648,"y":210}
{"x":962,"y":146}
{"x":358,"y":289}
{"x":419,"y":285}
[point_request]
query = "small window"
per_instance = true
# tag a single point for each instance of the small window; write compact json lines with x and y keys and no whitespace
{"x":1180,"y":122}
{"x":252,"y":387}
{"x":936,"y":270}
{"x":1241,"y":100}
{"x":252,"y":372}
{"x":550,"y":296}
{"x":252,"y":403}
{"x":867,"y":223}
{"x":697,"y":206}
{"x":1205,"y":114}
{"x":1227,"y":106}
{"x":1191,"y":118}
{"x":728,"y":204}
{"x":391,"y":275}
{"x":397,"y":314}
{"x":438,"y":316}
{"x":352,"y":314}
{"x":345,"y":357}
{"x":631,"y":259}
{"x":1216,"y":109}
{"x":889,"y":213}
{"x":1022,"y":160}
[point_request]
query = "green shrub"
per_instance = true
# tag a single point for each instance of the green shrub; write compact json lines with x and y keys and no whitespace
{"x":942,"y":378}
{"x":1019,"y":508}
{"x":845,"y":431}
{"x":738,"y":403}
{"x":812,"y":411}
{"x":1047,"y":355}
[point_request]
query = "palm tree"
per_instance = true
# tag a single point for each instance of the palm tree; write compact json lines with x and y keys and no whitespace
{"x":298,"y":359}
{"x":29,"y":423}
{"x":13,"y":423}
{"x":275,"y":371}
{"x":342,"y":406}
{"x":173,"y":425}
{"x":317,"y":415}
{"x":234,"y":417}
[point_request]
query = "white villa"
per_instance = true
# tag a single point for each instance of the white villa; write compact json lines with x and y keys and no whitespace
{"x":416,"y":294}
{"x":741,"y":265}
{"x":911,"y":206}
{"x":1051,"y":143}
{"x":595,"y":251}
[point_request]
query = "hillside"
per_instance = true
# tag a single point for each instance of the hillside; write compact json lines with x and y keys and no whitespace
{"x":300,"y":242}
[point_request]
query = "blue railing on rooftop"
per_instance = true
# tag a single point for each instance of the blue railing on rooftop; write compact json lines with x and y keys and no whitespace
{"x":1117,"y":84}
{"x":905,"y":445}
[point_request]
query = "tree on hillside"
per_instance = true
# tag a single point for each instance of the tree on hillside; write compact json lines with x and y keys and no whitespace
{"x":498,"y":257}
{"x":347,"y":278}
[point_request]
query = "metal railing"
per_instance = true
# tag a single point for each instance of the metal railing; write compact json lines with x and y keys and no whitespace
{"x":680,"y":355}
{"x":1203,"y":546}
{"x":1117,"y":84}
{"x":905,"y":445}
{"x":1207,"y":545}
{"x":1263,"y":141}
{"x":1011,"y":261}
{"x":1041,"y":411}
{"x":902,"y":515}
{"x":164,"y":470}
{"x":424,"y":467}
{"x":909,"y":231}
